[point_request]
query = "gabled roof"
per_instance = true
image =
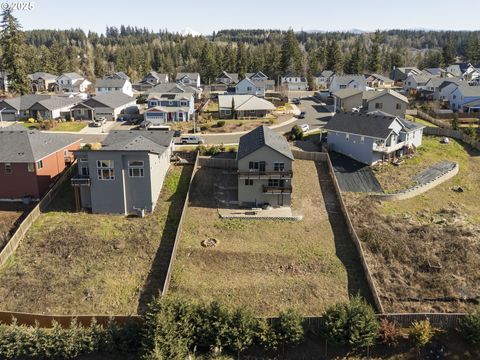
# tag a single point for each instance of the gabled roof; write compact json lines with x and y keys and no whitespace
{"x":251,"y":82}
{"x":110,"y":83}
{"x":160,"y":77}
{"x":448,"y":81}
{"x":388,"y":92}
{"x":24,"y":102}
{"x":41,"y":75}
{"x":169,"y":96}
{"x":56,"y":102}
{"x":193,"y":76}
{"x":420,"y":78}
{"x":260,"y":137}
{"x":173,"y":88}
{"x":244,"y":102}
{"x":346,"y":93}
{"x":19,"y":145}
{"x":434,"y":71}
{"x":468,"y":90}
{"x":72,"y":76}
{"x":382,"y":78}
{"x":117,"y":75}
{"x":376,"y":126}
{"x":347,"y":79}
{"x":407,"y":125}
{"x":407,"y":70}
{"x":257,"y":74}
{"x":326,"y":73}
{"x":111,"y":100}
{"x":138,"y":140}
{"x":232,"y":76}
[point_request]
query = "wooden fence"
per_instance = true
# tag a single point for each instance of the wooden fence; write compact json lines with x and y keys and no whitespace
{"x":218,"y":163}
{"x":25,"y":225}
{"x":314,"y":156}
{"x":455,"y":134}
{"x":179,"y":228}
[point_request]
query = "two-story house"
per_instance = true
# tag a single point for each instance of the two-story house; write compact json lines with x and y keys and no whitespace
{"x":249,"y":87}
{"x":192,"y":79}
{"x":264,"y":169}
{"x":339,"y":82}
{"x":105,"y":85}
{"x":162,"y":108}
{"x":399,"y":74}
{"x":372,"y":137}
{"x":388,"y":101}
{"x":294,"y":82}
{"x":462,"y":96}
{"x":379,"y":81}
{"x":125,"y":176}
{"x":415,"y":83}
{"x":42,"y":81}
{"x":31,"y":160}
{"x":322,"y":80}
{"x":227,"y":78}
{"x":72,"y":82}
{"x":150,"y":80}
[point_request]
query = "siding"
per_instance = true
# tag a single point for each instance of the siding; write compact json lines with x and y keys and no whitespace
{"x":352,"y":147}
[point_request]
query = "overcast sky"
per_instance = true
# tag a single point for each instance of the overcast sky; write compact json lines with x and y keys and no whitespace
{"x":205,"y":16}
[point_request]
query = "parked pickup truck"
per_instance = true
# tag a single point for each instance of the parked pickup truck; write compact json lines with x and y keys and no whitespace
{"x":192,"y":139}
{"x":98,"y":122}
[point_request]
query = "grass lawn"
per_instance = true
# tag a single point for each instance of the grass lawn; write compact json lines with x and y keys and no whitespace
{"x":266,"y":266}
{"x":420,"y":121}
{"x":80,"y":263}
{"x":70,"y":126}
{"x":10,"y":215}
{"x":424,"y":251}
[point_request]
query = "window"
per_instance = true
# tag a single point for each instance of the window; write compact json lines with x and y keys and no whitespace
{"x":65,"y":152}
{"x":31,"y":167}
{"x":82,"y":160}
{"x":378,"y":105}
{"x":362,"y":139}
{"x":249,"y":88}
{"x":253,"y":165}
{"x":8,"y":168}
{"x":454,"y":96}
{"x":347,"y":137}
{"x":105,"y":170}
{"x":248,"y":182}
{"x":84,"y":171}
{"x":39,"y":164}
{"x":398,"y":106}
{"x":135,"y":168}
{"x":343,"y":86}
{"x":278,"y":166}
{"x":273,"y":182}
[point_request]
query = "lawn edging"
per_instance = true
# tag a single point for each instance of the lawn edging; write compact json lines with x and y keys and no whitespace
{"x":168,"y":276}
{"x":25,"y":225}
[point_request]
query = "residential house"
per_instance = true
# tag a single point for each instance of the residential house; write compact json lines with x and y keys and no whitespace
{"x":379,"y":81}
{"x":125,"y":176}
{"x":3,"y":81}
{"x":415,"y":83}
{"x":42,"y":81}
{"x":118,"y":75}
{"x":150,"y":80}
{"x":347,"y":99}
{"x":388,"y":101}
{"x":175,"y":88}
{"x":464,"y":98}
{"x":37,"y":106}
{"x":370,"y":138}
{"x":446,"y":88}
{"x":264,"y":169}
{"x":249,"y":87}
{"x":257,"y":76}
{"x":261,"y":81}
{"x":340,"y":82}
{"x":294,"y":82}
{"x":18,"y":108}
{"x":227,"y":78}
{"x":72,"y":82}
{"x":466,"y":71}
{"x":243,"y":106}
{"x":30,"y":161}
{"x":105,"y":85}
{"x":191,"y":79}
{"x":434,"y":85}
{"x":322,"y":80}
{"x":399,"y":74}
{"x":162,"y":108}
{"x":109,"y":106}
{"x":437,"y":72}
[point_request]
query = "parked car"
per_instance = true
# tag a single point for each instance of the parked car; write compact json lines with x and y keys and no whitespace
{"x":98,"y":122}
{"x":192,"y":139}
{"x":304,"y":127}
{"x":296,"y":101}
{"x":177,"y":133}
{"x":302,"y":115}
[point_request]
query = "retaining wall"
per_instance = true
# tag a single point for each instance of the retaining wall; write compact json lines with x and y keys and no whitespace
{"x":217,"y":163}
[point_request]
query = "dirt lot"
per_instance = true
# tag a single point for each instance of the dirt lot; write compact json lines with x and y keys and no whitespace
{"x":80,"y":263}
{"x":425,"y":251}
{"x":268,"y":265}
{"x":11,"y":215}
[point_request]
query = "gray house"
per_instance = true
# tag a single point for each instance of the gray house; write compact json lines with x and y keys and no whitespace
{"x":125,"y":176}
{"x":264,"y":169}
{"x":243,"y":107}
{"x":373,"y":137}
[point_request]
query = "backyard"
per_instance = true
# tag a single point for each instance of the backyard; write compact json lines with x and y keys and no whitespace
{"x":81,"y":263}
{"x":267,"y":265}
{"x":424,"y":251}
{"x":10,"y":216}
{"x":73,"y":126}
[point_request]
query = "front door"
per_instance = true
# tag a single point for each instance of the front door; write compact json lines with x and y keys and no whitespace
{"x":261,"y":166}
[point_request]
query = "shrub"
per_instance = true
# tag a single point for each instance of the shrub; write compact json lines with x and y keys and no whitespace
{"x":31,"y":120}
{"x":352,"y":323}
{"x":471,"y":131}
{"x":288,"y":330}
{"x":232,"y":149}
{"x":241,"y":331}
{"x":221,"y":123}
{"x":421,"y":332}
{"x":454,"y":122}
{"x":296,"y":133}
{"x":48,"y":124}
{"x":204,"y":128}
{"x":202,"y":149}
{"x":388,"y":333}
{"x":470,"y":326}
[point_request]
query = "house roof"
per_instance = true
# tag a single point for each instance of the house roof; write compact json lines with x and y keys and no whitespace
{"x":118,"y":75}
{"x":260,"y":137}
{"x":42,"y":75}
{"x":57,"y":102}
{"x":388,"y":92}
{"x":244,"y":102}
{"x":111,"y":100}
{"x":160,"y":77}
{"x":193,"y":76}
{"x":326,"y":73}
{"x":407,"y":70}
{"x":434,"y":71}
{"x":346,"y":93}
{"x":407,"y":125}
{"x":110,"y":83}
{"x":169,"y":96}
{"x":468,"y":90}
{"x":172,"y":88}
{"x":377,"y":126}
{"x":231,"y":76}
{"x":448,"y":81}
{"x":258,"y":73}
{"x":382,"y":78}
{"x":24,"y":102}
{"x":72,"y":76}
{"x":20,"y":145}
{"x":347,"y":79}
{"x":138,"y":140}
{"x":167,"y":109}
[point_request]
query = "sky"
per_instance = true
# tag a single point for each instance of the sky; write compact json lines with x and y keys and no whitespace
{"x":206,"y":16}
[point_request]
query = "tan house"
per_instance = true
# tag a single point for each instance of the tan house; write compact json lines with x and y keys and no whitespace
{"x":388,"y":101}
{"x":378,"y":81}
{"x":347,"y":99}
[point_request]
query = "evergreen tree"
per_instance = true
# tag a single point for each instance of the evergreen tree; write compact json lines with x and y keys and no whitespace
{"x":208,"y":64}
{"x":333,"y":57}
{"x":12,"y":43}
{"x":291,"y":56}
{"x":448,"y":52}
{"x":241,"y":60}
{"x":375,"y":55}
{"x":473,"y":49}
{"x":354,"y":65}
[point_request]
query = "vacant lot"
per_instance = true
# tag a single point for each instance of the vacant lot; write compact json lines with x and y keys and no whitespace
{"x":267,"y":265}
{"x":425,"y":251}
{"x":11,"y":215}
{"x":79,"y":263}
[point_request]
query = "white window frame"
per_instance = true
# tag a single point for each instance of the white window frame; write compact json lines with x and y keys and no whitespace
{"x":105,"y":167}
{"x":40,"y":164}
{"x":362,"y":139}
{"x":135,"y":169}
{"x":278,"y":166}
{"x":31,"y":167}
{"x":347,"y":137}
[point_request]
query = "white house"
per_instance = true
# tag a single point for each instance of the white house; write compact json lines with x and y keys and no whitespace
{"x":105,"y":85}
{"x":415,"y":83}
{"x":339,"y":82}
{"x":192,"y":79}
{"x":249,"y":87}
{"x":466,"y":71}
{"x":323,"y":79}
{"x":293,"y":82}
{"x":462,"y":96}
{"x":72,"y":82}
{"x":162,"y":108}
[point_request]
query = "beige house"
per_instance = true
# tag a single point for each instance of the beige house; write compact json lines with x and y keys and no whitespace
{"x":388,"y":101}
{"x":347,"y":99}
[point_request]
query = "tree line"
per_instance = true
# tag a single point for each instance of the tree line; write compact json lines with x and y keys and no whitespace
{"x":135,"y":51}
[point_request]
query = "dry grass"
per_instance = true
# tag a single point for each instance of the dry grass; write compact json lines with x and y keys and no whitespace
{"x":80,"y":263}
{"x":265,"y":265}
{"x":424,"y":252}
{"x":10,"y":216}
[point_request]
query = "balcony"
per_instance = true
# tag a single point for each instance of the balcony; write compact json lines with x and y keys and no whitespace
{"x":287,"y":189}
{"x":80,"y":180}
{"x":388,"y":149}
{"x":255,"y":174}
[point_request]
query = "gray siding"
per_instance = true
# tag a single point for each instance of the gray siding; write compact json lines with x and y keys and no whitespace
{"x":352,"y":147}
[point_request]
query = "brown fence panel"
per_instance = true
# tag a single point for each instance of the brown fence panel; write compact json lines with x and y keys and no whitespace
{"x":217,"y":163}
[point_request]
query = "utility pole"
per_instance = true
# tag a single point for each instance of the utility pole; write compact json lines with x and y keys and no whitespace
{"x":1,"y":118}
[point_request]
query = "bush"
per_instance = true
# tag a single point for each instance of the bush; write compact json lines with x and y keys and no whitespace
{"x":202,"y":149}
{"x":388,"y":333}
{"x":221,"y":123}
{"x":296,"y":133}
{"x":454,"y":122}
{"x":352,"y":323}
{"x":421,"y":332}
{"x":289,"y":328}
{"x":232,"y":149}
{"x":48,"y":124}
{"x":470,"y":327}
{"x":31,"y":120}
{"x":204,"y":128}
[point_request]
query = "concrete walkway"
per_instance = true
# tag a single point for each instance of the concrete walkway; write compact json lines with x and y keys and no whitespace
{"x":281,"y":213}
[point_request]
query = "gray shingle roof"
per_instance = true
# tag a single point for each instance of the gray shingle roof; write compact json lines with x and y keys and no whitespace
{"x":72,"y":76}
{"x":387,"y":92}
{"x":111,"y":100}
{"x":44,"y":75}
{"x":56,"y":102}
{"x":138,"y":140}
{"x":192,"y":76}
{"x":244,"y":102}
{"x":173,"y":88}
{"x":260,"y":137}
{"x":19,"y":145}
{"x":377,"y":126}
{"x":347,"y":79}
{"x":346,"y":93}
{"x":110,"y":83}
{"x":24,"y":102}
